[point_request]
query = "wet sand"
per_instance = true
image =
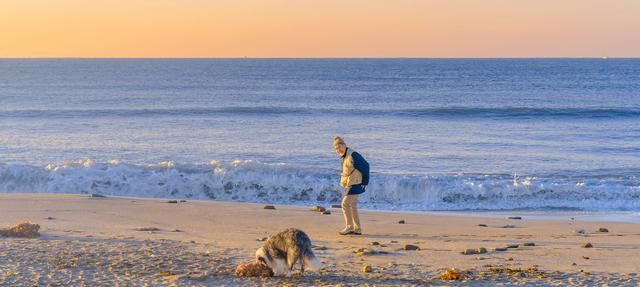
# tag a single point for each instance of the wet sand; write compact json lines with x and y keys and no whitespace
{"x":113,"y":241}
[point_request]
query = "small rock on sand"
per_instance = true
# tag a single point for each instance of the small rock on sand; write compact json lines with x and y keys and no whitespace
{"x":147,"y":229}
{"x":23,"y":230}
{"x":182,"y":200}
{"x":364,"y":251}
{"x":587,"y":245}
{"x":469,"y":251}
{"x":481,"y":250}
{"x":451,"y":274}
{"x":374,"y":243}
{"x":513,"y":246}
{"x":96,"y":195}
{"x":318,"y":208}
{"x":603,"y":230}
{"x":501,"y":249}
{"x":508,"y":226}
{"x":51,"y":218}
{"x":529,"y":244}
{"x":269,"y":207}
{"x":401,"y":221}
{"x":411,"y":247}
{"x":585,"y":257}
{"x":176,"y":230}
{"x":326,"y":212}
{"x":509,"y":259}
{"x":515,"y":217}
{"x":253,"y":269}
{"x":172,"y":201}
{"x":482,"y":225}
{"x":580,"y":231}
{"x":367,"y":269}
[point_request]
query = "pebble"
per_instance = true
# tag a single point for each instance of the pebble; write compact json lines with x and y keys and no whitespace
{"x":510,"y":259}
{"x":529,"y":244}
{"x":515,"y":217}
{"x":96,"y":195}
{"x":482,"y":225}
{"x":269,"y":207}
{"x":172,"y":201}
{"x":51,"y":218}
{"x":182,"y":200}
{"x":374,"y":243}
{"x":513,"y":246}
{"x":501,"y":249}
{"x":367,"y":269}
{"x":411,"y":247}
{"x":401,"y":221}
{"x":508,"y":226}
{"x":587,"y":245}
{"x":603,"y":230}
{"x":585,"y":257}
{"x":318,"y":208}
{"x":326,"y":212}
{"x":469,"y":251}
{"x":580,"y":231}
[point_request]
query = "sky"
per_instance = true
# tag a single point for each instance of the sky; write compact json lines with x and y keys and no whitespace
{"x":321,"y":28}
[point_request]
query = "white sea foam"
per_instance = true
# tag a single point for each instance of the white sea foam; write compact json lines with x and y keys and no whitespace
{"x":252,"y":181}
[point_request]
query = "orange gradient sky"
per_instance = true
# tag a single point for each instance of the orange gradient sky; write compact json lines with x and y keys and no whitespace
{"x":322,"y":28}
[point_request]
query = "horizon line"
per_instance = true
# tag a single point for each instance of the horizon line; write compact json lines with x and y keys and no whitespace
{"x":204,"y":58}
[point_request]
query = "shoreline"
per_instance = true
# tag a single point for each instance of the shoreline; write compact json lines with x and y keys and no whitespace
{"x":205,"y":240}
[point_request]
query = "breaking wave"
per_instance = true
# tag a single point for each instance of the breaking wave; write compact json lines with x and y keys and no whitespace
{"x":251,"y":181}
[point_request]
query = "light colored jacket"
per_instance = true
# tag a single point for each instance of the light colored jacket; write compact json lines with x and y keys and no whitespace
{"x":350,"y":175}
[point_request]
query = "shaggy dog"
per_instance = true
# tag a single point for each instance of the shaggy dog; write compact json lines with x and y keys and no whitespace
{"x":283,"y":250}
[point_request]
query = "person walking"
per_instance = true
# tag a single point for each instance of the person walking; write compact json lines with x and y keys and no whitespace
{"x":354,"y":179}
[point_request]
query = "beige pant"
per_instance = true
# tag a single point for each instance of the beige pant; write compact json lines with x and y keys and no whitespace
{"x":350,"y":211}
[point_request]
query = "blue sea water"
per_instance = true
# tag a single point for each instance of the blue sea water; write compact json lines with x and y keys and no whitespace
{"x":440,"y":134}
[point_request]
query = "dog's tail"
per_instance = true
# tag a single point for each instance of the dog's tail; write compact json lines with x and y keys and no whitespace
{"x":311,"y":262}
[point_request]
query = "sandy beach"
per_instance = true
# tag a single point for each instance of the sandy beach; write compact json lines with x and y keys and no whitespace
{"x":117,"y":241}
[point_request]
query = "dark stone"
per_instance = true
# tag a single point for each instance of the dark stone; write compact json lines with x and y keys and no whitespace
{"x":374,"y":243}
{"x":326,"y":212}
{"x":401,"y":221}
{"x":51,"y":218}
{"x":411,"y":247}
{"x":509,"y":226}
{"x":501,"y":249}
{"x":269,"y":207}
{"x":529,"y":244}
{"x":482,"y":225}
{"x":513,"y":246}
{"x":172,"y":201}
{"x":183,"y":200}
{"x":603,"y":230}
{"x":96,"y":195}
{"x":515,"y":217}
{"x":147,"y":229}
{"x":587,"y":245}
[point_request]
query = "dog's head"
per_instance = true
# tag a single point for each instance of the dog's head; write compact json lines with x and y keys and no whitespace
{"x":277,"y":265}
{"x":264,"y":258}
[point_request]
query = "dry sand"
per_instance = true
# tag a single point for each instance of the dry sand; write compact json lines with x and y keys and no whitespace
{"x":149,"y":242}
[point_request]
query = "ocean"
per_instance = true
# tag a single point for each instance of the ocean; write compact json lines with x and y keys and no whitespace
{"x":439,"y":134}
